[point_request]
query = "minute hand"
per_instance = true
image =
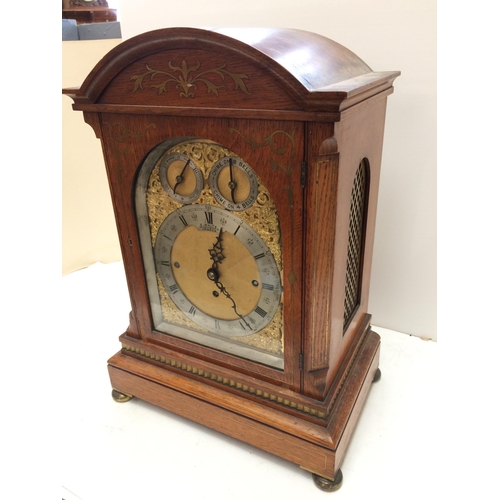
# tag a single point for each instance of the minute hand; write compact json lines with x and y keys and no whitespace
{"x":217,"y":257}
{"x":222,"y":288}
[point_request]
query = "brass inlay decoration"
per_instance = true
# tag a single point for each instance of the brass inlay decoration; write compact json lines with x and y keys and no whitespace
{"x":186,"y":79}
{"x":271,"y":142}
{"x":355,"y":243}
{"x":262,"y":216}
{"x":122,"y":134}
{"x":225,"y":381}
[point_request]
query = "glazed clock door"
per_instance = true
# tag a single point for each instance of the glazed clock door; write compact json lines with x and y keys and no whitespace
{"x":212,"y":248}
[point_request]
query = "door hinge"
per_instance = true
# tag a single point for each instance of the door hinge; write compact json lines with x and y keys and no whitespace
{"x":301,"y":361}
{"x":303,"y":174}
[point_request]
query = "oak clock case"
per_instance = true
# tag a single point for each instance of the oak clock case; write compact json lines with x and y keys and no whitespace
{"x":213,"y":274}
{"x":244,"y":181}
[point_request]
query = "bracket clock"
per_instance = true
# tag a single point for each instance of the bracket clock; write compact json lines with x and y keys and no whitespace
{"x":243,"y":167}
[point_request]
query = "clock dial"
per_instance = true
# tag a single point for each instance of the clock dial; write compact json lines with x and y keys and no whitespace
{"x":181,"y":178}
{"x":233,"y":183}
{"x":217,"y":270}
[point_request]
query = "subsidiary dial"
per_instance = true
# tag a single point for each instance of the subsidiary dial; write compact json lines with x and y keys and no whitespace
{"x":181,"y":178}
{"x":233,"y":183}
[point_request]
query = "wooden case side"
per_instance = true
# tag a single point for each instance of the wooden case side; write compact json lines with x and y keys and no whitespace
{"x":334,"y":163}
{"x":360,"y":137}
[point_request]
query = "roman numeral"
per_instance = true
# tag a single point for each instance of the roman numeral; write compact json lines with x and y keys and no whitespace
{"x":174,"y":288}
{"x":210,"y":217}
{"x":217,"y":324}
{"x":192,"y":310}
{"x":237,"y":229}
{"x":257,"y":257}
{"x":260,"y":312}
{"x":165,"y":263}
{"x":266,"y":286}
{"x":183,"y":220}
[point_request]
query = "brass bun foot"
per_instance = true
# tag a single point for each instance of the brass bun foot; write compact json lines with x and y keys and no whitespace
{"x":377,"y":376}
{"x":327,"y":484}
{"x":120,"y":397}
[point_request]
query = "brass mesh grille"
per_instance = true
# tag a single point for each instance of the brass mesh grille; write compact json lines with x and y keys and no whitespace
{"x":355,"y":243}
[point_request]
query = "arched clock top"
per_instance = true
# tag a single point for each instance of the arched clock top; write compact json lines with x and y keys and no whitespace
{"x":244,"y":68}
{"x":314,"y":60}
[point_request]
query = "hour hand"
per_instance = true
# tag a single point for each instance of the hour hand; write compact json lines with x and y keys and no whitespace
{"x":215,"y":252}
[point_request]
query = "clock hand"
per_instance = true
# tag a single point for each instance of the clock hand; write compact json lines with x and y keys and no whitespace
{"x":217,"y":257}
{"x":180,"y":177}
{"x":213,"y":275}
{"x":215,"y":252}
{"x":232,"y":183}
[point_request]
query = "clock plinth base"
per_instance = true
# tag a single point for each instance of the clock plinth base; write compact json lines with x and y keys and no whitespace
{"x":316,"y":443}
{"x":326,"y":484}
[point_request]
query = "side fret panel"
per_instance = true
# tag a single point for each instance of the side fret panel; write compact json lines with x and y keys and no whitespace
{"x":355,"y":244}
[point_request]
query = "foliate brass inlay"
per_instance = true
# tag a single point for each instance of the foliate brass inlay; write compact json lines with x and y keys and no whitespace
{"x":226,"y":381}
{"x":262,"y":216}
{"x":123,"y":134}
{"x":187,"y":79}
{"x":278,"y":143}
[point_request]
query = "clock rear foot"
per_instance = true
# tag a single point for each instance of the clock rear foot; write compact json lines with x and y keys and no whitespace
{"x":377,"y":376}
{"x":120,"y":397}
{"x":327,"y":484}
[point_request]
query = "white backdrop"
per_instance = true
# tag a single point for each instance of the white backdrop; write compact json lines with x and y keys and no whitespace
{"x":387,"y":35}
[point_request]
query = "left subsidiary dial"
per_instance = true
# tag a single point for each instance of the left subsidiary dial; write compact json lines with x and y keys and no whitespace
{"x":181,"y":178}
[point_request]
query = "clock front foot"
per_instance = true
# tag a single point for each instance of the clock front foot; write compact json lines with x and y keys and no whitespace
{"x":120,"y":397}
{"x":325,"y":484}
{"x":377,"y":376}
